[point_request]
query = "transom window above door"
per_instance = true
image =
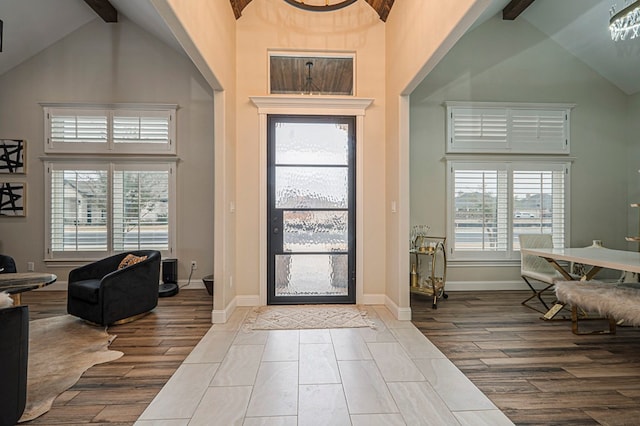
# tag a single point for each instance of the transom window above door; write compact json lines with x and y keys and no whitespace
{"x":311,"y":73}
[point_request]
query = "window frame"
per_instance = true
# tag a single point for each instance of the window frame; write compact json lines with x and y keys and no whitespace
{"x":110,"y":165}
{"x":510,"y":255}
{"x":109,"y":112}
{"x":310,"y":55}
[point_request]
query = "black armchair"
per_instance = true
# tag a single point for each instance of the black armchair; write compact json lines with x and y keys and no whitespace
{"x":14,"y":352}
{"x":7,"y":264}
{"x":103,"y":294}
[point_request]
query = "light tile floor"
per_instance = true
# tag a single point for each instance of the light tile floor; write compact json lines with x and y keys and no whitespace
{"x":387,"y":375}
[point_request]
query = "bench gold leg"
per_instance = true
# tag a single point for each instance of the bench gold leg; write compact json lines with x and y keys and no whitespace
{"x":575,"y":328}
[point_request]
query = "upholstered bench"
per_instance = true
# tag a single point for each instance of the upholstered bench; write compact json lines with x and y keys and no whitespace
{"x":616,"y":302}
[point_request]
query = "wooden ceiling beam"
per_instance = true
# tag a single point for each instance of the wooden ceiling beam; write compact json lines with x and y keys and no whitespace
{"x":104,"y":9}
{"x":383,"y":7}
{"x":238,"y":6}
{"x":515,"y":8}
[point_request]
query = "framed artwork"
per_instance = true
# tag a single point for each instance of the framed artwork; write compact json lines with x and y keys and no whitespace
{"x":12,"y":153}
{"x":12,"y":198}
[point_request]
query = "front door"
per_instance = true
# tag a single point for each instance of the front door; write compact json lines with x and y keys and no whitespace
{"x":311,"y":209}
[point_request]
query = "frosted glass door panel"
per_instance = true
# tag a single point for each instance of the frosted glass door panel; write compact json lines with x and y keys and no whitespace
{"x":311,"y":204}
{"x":311,"y":275}
{"x":312,"y":187}
{"x":313,"y":231}
{"x":312,"y":143}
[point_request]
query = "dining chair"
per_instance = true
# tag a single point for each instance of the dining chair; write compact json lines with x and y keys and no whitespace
{"x":536,"y":268}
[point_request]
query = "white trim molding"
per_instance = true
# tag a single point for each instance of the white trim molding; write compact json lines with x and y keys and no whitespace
{"x":312,"y":105}
{"x":222,"y":315}
{"x":401,"y":314}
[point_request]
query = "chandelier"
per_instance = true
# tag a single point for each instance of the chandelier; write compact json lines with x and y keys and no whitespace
{"x":626,"y":23}
{"x":326,"y":7}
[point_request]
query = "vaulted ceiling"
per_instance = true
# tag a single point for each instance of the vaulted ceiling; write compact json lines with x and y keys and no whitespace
{"x":579,"y":26}
{"x":382,"y":7}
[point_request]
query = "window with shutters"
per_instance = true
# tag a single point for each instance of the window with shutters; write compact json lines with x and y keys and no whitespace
{"x":488,"y":127}
{"x":113,"y":129}
{"x":100,"y":208}
{"x":491,"y":202}
{"x":101,"y":198}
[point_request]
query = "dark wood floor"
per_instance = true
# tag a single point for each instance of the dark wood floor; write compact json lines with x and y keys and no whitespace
{"x":538,"y":372}
{"x":116,"y":393}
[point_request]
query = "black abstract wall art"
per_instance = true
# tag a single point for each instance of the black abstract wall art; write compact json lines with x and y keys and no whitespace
{"x":12,"y":197}
{"x":12,"y":153}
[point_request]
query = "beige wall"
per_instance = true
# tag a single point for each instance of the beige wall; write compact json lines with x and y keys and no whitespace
{"x":512,"y":61}
{"x":273,"y":24}
{"x":108,"y":63}
{"x":206,"y":30}
{"x":418,"y":32}
{"x":415,"y":31}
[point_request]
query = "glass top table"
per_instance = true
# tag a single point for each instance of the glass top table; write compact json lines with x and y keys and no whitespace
{"x":16,"y":283}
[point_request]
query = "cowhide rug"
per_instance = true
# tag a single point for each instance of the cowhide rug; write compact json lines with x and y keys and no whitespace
{"x":61,"y":349}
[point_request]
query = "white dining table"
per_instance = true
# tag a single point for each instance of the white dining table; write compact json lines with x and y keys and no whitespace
{"x":596,"y":257}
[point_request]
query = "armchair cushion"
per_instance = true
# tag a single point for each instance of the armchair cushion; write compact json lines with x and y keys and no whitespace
{"x":86,"y":290}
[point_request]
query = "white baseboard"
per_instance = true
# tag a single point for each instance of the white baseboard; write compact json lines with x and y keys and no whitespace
{"x":488,"y":285}
{"x":254,"y":300}
{"x":250,"y":300}
{"x":401,"y":314}
{"x":62,"y":285}
{"x":367,"y":299}
{"x":221,"y":316}
{"x":373,"y":299}
{"x":192,"y":284}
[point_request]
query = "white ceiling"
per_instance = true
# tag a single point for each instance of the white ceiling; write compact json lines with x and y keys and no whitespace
{"x":580,"y":26}
{"x":29,"y":26}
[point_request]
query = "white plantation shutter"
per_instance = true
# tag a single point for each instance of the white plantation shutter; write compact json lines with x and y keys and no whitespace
{"x":491,"y":203}
{"x":78,"y":209}
{"x":140,"y":129}
{"x":103,"y":208}
{"x":477,"y":127}
{"x":141,"y":210}
{"x":130,"y":130}
{"x":76,"y":128}
{"x":539,"y":198}
{"x":538,"y":131}
{"x":143,"y":130}
{"x":480,"y":204}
